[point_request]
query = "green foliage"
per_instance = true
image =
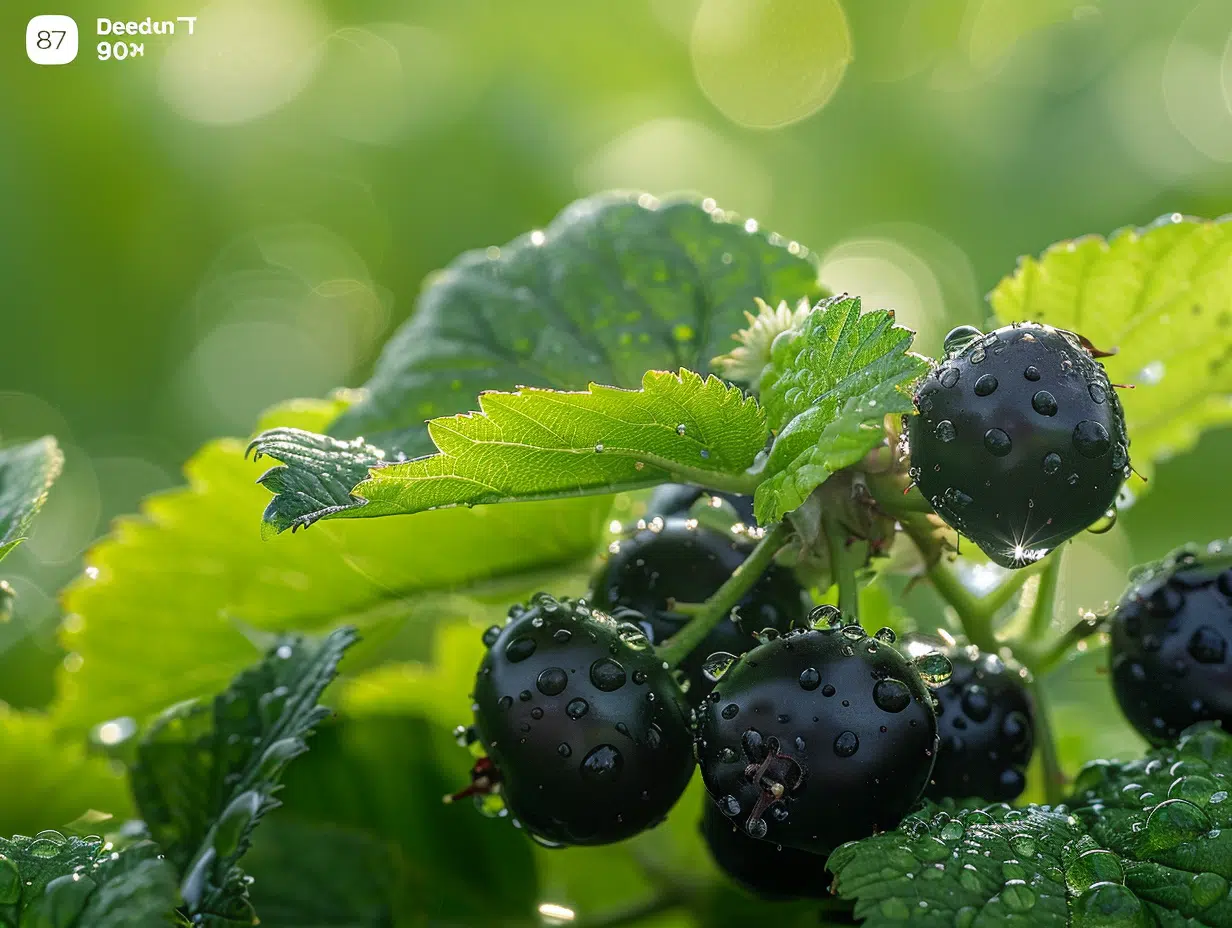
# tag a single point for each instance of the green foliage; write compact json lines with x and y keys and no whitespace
{"x":179,"y":587}
{"x":1140,"y":845}
{"x":26,"y":474}
{"x":54,"y":881}
{"x":610,"y":289}
{"x":827,"y":390}
{"x":1159,"y":297}
{"x":206,"y":773}
{"x":535,"y":444}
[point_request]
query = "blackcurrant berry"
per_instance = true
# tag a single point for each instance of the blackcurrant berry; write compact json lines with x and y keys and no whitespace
{"x":818,"y":737}
{"x":1020,"y":440}
{"x":678,"y":560}
{"x":986,"y":723}
{"x":589,"y":736}
{"x":1170,"y":651}
{"x":762,"y":868}
{"x":676,"y":499}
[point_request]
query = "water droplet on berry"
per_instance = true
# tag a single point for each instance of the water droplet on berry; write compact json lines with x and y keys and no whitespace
{"x":1207,"y":646}
{"x":505,"y":702}
{"x":828,"y":690}
{"x":602,"y":765}
{"x":536,"y":713}
{"x":945,"y":430}
{"x":730,"y":711}
{"x":519,"y":649}
{"x":948,"y":376}
{"x":810,"y":679}
{"x":1072,"y":480}
{"x":1098,"y":393}
{"x":956,"y":498}
{"x":1120,"y":456}
{"x":1207,"y":889}
{"x":756,"y":827}
{"x":717,"y":664}
{"x":728,"y":756}
{"x":1091,"y":438}
{"x":562,"y":635}
{"x":959,"y":338}
{"x":632,"y":636}
{"x":1104,"y":523}
{"x":639,"y":677}
{"x":997,"y":442}
{"x":975,"y":703}
{"x":934,"y":669}
{"x":891,"y":695}
{"x":854,"y":632}
{"x":490,"y":635}
{"x":1052,"y":462}
{"x":846,"y":744}
{"x":552,"y":681}
{"x":825,"y":618}
{"x":977,"y":356}
{"x":729,"y":805}
{"x":886,"y":634}
{"x":986,"y":385}
{"x":1032,"y":373}
{"x":1044,"y":403}
{"x":577,"y":708}
{"x":607,"y":675}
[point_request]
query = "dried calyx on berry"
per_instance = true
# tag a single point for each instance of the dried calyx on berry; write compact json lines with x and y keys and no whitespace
{"x":676,"y":560}
{"x":986,"y":722}
{"x":819,"y":736}
{"x":586,"y":736}
{"x":1019,"y":442}
{"x":1170,"y":659}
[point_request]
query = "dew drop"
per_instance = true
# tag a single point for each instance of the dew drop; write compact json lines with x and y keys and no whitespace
{"x":1031,"y":373}
{"x":1091,"y":867}
{"x":1023,"y":845}
{"x":756,"y":827}
{"x":1091,"y":438}
{"x":976,"y":704}
{"x":1017,"y":896}
{"x":730,"y":711}
{"x":607,"y":675}
{"x":948,"y":376}
{"x":598,"y":447}
{"x":602,"y":765}
{"x":891,"y":695}
{"x":552,"y":681}
{"x":563,"y":749}
{"x":577,"y":708}
{"x":717,"y":664}
{"x":978,"y":356}
{"x":986,"y":385}
{"x":959,"y":338}
{"x":490,"y":635}
{"x":1098,"y":393}
{"x":846,"y":744}
{"x":519,"y":649}
{"x":825,"y":618}
{"x":1044,"y":403}
{"x":886,"y":634}
{"x":1174,"y":822}
{"x":953,"y":830}
{"x":505,"y":702}
{"x":729,"y":805}
{"x":1207,"y":646}
{"x":1120,"y":456}
{"x":680,"y":429}
{"x":633,"y":637}
{"x":1052,"y":463}
{"x":1207,"y":889}
{"x":854,"y":632}
{"x":997,"y":442}
{"x":562,"y":635}
{"x":934,"y":669}
{"x":810,"y":679}
{"x":945,"y":430}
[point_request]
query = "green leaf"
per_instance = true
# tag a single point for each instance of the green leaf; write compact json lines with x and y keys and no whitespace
{"x":205,"y":774}
{"x":830,"y":384}
{"x":54,"y":881}
{"x":537,"y":444}
{"x":616,"y":285}
{"x":26,"y":474}
{"x":1160,"y":297}
{"x":1142,"y":844}
{"x":172,"y":591}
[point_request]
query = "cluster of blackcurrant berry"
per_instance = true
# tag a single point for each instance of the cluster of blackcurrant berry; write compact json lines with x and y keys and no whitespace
{"x":809,"y":732}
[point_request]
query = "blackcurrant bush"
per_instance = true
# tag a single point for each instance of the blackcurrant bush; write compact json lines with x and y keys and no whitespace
{"x":818,"y":737}
{"x":676,"y":559}
{"x":676,"y":499}
{"x":588,"y":737}
{"x":1020,"y":440}
{"x":762,"y":868}
{"x":1170,"y":654}
{"x":986,"y":722}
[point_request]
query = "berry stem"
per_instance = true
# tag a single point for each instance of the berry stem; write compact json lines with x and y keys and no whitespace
{"x":1050,"y":760}
{"x":1059,"y":650}
{"x":843,"y":567}
{"x":663,"y":901}
{"x":993,"y":602}
{"x":725,"y":598}
{"x":1042,"y":609}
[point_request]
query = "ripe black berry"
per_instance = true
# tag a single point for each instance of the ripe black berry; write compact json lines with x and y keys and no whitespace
{"x":589,"y":736}
{"x":1020,"y":440}
{"x":986,"y":723}
{"x":676,"y":499}
{"x":818,"y":737}
{"x":677,"y":559}
{"x":1170,"y":646}
{"x":762,"y":868}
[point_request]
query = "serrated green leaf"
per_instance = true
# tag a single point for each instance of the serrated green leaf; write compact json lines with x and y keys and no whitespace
{"x":173,"y":590}
{"x":1160,"y":297}
{"x":54,"y":881}
{"x":26,"y":474}
{"x":205,"y":774}
{"x":616,"y":285}
{"x":829,"y":386}
{"x":537,"y":444}
{"x":1142,"y":844}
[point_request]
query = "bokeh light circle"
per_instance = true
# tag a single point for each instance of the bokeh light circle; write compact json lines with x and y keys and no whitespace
{"x":769,"y":63}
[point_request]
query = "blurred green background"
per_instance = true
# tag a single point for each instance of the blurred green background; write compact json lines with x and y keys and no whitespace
{"x":244,"y":214}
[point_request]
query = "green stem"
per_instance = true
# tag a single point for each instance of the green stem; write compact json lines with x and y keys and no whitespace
{"x":843,"y":568}
{"x":1045,"y":598}
{"x":993,"y":602}
{"x":976,"y":622}
{"x":663,"y":901}
{"x":725,"y":598}
{"x":1046,"y":659}
{"x":1046,"y":742}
